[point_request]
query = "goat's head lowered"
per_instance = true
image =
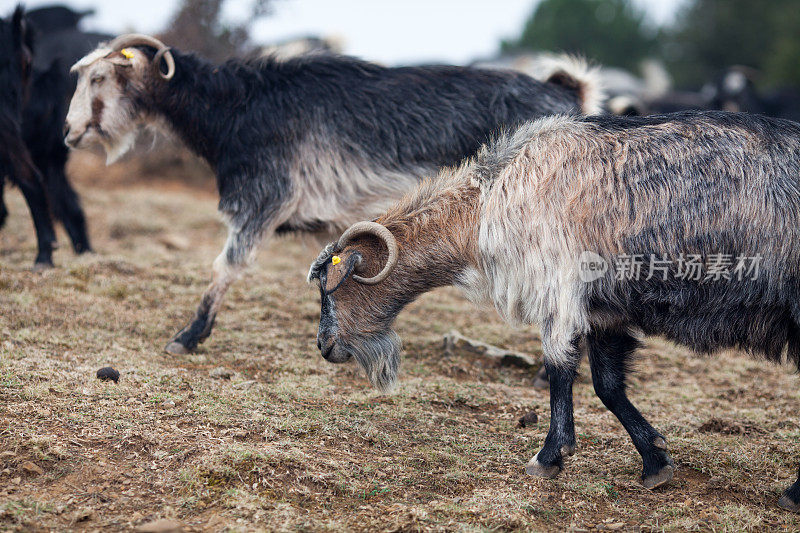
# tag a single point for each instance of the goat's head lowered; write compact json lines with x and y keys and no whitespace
{"x":358,"y":303}
{"x":105,"y":108}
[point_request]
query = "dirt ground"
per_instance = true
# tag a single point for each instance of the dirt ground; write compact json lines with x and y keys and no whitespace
{"x":281,"y":440}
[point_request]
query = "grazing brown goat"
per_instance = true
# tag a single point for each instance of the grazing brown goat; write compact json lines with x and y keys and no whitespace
{"x":534,"y":222}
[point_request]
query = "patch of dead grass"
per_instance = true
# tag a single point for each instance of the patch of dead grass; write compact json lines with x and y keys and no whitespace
{"x":291,"y":442}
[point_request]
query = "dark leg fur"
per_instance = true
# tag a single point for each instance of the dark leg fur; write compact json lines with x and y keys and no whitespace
{"x":560,"y":438}
{"x":187,"y":339}
{"x":67,"y":208}
{"x":791,"y":498}
{"x":3,"y":210}
{"x":45,"y":235}
{"x":609,"y":356}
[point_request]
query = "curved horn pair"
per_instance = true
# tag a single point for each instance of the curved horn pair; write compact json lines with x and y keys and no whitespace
{"x":379,"y":231}
{"x":137,"y":39}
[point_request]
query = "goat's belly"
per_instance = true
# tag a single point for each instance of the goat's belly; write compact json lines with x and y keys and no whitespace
{"x":705,"y":319}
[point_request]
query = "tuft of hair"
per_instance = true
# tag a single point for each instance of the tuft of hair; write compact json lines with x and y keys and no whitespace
{"x":379,"y":356}
{"x":626,"y":106}
{"x":324,"y":255}
{"x":575,"y":74}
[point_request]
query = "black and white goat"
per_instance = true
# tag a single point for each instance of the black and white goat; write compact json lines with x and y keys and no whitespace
{"x":308,"y":144}
{"x":532,"y":225}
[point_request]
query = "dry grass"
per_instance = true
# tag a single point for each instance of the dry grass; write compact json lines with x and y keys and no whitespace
{"x":291,"y":442}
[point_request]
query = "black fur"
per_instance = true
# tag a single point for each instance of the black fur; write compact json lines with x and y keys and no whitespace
{"x":42,"y":124}
{"x":42,"y":101}
{"x":16,"y":48}
{"x":56,"y":18}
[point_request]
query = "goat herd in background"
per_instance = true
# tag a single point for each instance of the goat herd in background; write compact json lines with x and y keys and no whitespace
{"x":493,"y":181}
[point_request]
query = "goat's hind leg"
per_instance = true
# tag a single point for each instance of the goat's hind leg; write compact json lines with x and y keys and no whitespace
{"x":3,"y":210}
{"x":227,"y":268}
{"x":791,"y":497}
{"x":609,"y":356}
{"x":790,"y":500}
{"x":67,"y":206}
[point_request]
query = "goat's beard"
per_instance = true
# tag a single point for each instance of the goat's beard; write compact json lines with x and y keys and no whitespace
{"x":379,"y":356}
{"x":119,"y":146}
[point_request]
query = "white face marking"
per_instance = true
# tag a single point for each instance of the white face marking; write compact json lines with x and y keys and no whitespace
{"x":100,"y":111}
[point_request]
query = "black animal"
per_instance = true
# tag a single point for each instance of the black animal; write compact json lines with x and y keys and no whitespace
{"x":42,"y":130}
{"x":16,"y":57}
{"x":55,"y":18}
{"x":59,"y":43}
{"x":309,"y":144}
{"x":735,"y":90}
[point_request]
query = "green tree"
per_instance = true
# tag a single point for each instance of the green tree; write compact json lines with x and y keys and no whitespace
{"x":613,"y":32}
{"x":710,"y":35}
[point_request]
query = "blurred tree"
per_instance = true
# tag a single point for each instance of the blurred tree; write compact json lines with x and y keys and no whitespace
{"x":612,"y":32}
{"x":710,"y":35}
{"x":197,"y":25}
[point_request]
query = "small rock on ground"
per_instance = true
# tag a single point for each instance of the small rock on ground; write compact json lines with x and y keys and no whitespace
{"x":32,"y":468}
{"x":108,"y":374}
{"x":221,"y":373}
{"x":529,"y":420}
{"x":163,"y":525}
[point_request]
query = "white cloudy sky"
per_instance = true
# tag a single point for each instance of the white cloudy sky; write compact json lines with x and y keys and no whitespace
{"x":390,"y":31}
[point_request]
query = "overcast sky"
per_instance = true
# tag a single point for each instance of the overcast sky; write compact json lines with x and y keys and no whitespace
{"x":389,"y":31}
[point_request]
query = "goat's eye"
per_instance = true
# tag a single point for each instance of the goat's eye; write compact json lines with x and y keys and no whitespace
{"x":97,"y":80}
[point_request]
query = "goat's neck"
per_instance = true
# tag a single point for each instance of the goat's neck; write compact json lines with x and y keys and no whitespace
{"x":439,"y":242}
{"x":199,"y":103}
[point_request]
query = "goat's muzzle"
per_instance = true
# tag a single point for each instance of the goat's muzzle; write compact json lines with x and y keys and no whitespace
{"x":72,"y":140}
{"x":331,"y":352}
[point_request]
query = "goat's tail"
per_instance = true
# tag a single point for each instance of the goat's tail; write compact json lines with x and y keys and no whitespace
{"x":575,"y":73}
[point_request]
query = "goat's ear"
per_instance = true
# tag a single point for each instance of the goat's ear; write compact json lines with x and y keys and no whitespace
{"x":340,"y":268}
{"x":117,"y":58}
{"x":128,"y":61}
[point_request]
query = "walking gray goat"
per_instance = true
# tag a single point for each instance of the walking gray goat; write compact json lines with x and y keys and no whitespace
{"x":308,"y":144}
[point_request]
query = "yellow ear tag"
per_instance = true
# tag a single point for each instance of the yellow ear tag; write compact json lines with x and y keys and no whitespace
{"x":127,"y":53}
{"x":335,"y":260}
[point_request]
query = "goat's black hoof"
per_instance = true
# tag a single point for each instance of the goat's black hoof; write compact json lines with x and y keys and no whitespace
{"x":176,"y":348}
{"x":660,"y":478}
{"x":535,"y":468}
{"x":40,"y":266}
{"x":790,"y":505}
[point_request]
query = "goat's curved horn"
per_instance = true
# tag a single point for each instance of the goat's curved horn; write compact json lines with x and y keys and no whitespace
{"x":137,"y":39}
{"x":381,"y":232}
{"x":168,"y":59}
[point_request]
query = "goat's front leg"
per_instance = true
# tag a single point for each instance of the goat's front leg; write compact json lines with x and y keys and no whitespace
{"x":609,"y":355}
{"x":228,"y":266}
{"x":560,"y":440}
